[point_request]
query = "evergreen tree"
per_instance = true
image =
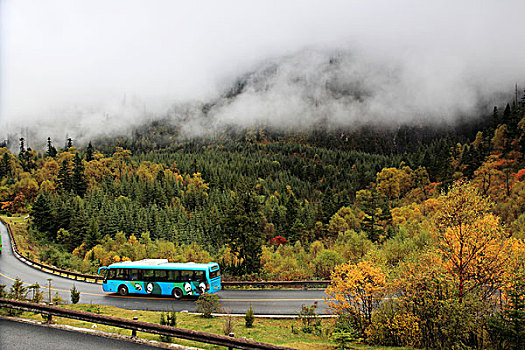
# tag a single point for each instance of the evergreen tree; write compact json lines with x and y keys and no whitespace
{"x":89,"y":152}
{"x":64,"y":213}
{"x":42,"y":214}
{"x":507,"y":114}
{"x":18,"y":291}
{"x":93,"y":235}
{"x":5,"y":166}
{"x":22,"y":147}
{"x":79,"y":183}
{"x":51,"y":151}
{"x":78,"y":225}
{"x":377,"y":215}
{"x":495,"y":118}
{"x":242,"y":225}
{"x":65,"y":179}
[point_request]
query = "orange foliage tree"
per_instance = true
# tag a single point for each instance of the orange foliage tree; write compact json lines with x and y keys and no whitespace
{"x":472,"y":241}
{"x":357,"y":290}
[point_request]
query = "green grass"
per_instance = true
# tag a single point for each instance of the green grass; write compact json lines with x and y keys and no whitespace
{"x":19,"y":227}
{"x":273,"y":331}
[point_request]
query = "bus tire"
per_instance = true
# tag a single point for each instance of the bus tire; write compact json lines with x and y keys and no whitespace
{"x":177,"y":293}
{"x":123,"y":290}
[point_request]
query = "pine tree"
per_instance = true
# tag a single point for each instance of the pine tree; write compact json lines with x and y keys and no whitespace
{"x":89,"y":152}
{"x":78,"y":226}
{"x":242,"y":225}
{"x":79,"y":183}
{"x":495,"y":118}
{"x":5,"y":166}
{"x":51,"y":151}
{"x":507,"y":114}
{"x":22,"y":147}
{"x":18,"y":291}
{"x":377,"y":215}
{"x":42,"y":213}
{"x":93,"y":235}
{"x":65,"y":180}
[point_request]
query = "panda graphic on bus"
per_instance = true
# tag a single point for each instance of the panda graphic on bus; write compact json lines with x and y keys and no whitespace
{"x":190,"y":289}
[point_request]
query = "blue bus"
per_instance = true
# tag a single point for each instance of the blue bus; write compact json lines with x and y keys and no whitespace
{"x":160,"y":277}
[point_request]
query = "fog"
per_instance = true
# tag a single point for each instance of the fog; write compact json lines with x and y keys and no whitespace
{"x":86,"y":68}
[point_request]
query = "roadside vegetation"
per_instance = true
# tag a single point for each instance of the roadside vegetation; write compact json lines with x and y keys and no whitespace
{"x":423,"y":238}
{"x":285,"y":332}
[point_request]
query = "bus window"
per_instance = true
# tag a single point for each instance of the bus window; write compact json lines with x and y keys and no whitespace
{"x":110,"y":275}
{"x":134,"y":275}
{"x":215,"y":274}
{"x":174,"y":276}
{"x":186,"y":276}
{"x":148,"y":275}
{"x":121,"y":274}
{"x":199,"y":276}
{"x":161,"y":275}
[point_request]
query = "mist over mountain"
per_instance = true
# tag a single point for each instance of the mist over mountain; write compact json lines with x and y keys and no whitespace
{"x":76,"y":69}
{"x":336,"y":89}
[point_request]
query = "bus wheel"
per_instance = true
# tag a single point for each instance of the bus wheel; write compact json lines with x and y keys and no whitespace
{"x":177,"y":293}
{"x":123,"y":290}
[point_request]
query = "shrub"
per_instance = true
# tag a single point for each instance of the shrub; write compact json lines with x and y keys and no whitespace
{"x":18,"y":291}
{"x":36,"y":294}
{"x":249,"y":318}
{"x":57,"y":299}
{"x":75,"y":295}
{"x":394,"y":328}
{"x":208,"y":304}
{"x":344,"y":333}
{"x":308,"y":317}
{"x":168,"y":319}
{"x":325,"y":262}
{"x":228,"y":325}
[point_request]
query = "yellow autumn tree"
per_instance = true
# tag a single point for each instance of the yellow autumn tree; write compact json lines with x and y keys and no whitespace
{"x":472,"y":241}
{"x":356,"y":290}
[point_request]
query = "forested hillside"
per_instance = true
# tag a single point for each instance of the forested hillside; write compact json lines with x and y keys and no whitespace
{"x":439,"y":216}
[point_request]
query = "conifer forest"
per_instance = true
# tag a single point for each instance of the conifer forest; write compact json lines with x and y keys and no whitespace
{"x":434,"y":216}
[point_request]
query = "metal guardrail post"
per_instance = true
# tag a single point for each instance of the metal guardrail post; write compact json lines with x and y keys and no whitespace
{"x":233,"y":336}
{"x":134,"y":331}
{"x":49,"y":316}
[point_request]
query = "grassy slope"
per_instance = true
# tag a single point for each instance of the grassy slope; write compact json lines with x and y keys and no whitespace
{"x":273,"y":331}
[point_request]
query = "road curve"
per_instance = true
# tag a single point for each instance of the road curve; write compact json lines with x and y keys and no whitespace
{"x":264,"y":302}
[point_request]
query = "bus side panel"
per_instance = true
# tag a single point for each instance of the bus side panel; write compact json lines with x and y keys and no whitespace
{"x":110,"y":286}
{"x":215,"y":285}
{"x":214,"y":278}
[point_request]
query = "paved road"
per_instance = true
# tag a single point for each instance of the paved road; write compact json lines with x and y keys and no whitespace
{"x":264,"y":302}
{"x":17,"y":335}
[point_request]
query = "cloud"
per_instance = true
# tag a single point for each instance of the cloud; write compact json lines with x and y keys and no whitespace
{"x":86,"y":67}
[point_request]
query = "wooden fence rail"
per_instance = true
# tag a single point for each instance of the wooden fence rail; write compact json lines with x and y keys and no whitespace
{"x":202,"y":337}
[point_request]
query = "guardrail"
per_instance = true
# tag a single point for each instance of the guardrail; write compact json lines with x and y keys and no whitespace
{"x":263,"y":284}
{"x":47,"y":268}
{"x":202,"y":337}
{"x":98,"y":279}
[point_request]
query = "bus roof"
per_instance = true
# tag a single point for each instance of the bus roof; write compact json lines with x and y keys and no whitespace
{"x":161,"y":264}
